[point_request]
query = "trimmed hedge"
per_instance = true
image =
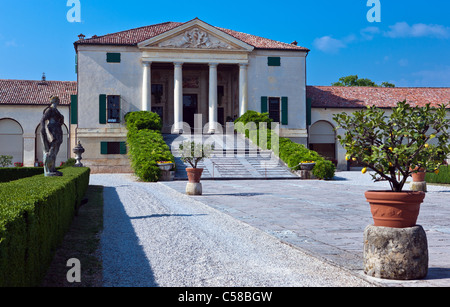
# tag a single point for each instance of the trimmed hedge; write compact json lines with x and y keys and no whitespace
{"x":442,"y":177}
{"x":146,"y":145}
{"x":35,"y":214}
{"x":290,"y":152}
{"x":14,"y":173}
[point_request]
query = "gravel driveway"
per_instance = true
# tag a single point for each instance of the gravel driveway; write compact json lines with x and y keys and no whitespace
{"x":154,"y":236}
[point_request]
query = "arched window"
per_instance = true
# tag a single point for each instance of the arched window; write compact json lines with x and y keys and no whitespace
{"x":322,"y":139}
{"x":11,"y":139}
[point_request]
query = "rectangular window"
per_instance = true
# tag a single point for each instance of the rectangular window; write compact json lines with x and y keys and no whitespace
{"x":274,"y":61}
{"x":274,"y":109}
{"x":112,"y":57}
{"x":113,"y":109}
{"x":113,"y":148}
{"x":74,"y":109}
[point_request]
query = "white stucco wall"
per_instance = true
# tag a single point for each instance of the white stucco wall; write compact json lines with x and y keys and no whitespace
{"x":29,"y":118}
{"x":288,"y":79}
{"x":96,"y":76}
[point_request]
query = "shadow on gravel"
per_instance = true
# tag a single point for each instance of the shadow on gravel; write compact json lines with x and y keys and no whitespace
{"x":163,"y":215}
{"x":124,"y":261}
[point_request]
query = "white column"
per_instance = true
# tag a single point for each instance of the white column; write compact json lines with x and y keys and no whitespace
{"x":178,"y":97}
{"x":146,"y":87}
{"x":243,"y":89}
{"x":212,"y":97}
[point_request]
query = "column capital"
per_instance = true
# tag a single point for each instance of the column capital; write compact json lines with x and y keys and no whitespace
{"x":178,"y":63}
{"x":213,"y":64}
{"x":243,"y":65}
{"x":146,"y":63}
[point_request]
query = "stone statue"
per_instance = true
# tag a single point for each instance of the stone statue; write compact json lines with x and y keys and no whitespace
{"x":52,"y":136}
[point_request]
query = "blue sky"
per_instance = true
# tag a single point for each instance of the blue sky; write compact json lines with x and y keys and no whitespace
{"x":409,"y":47}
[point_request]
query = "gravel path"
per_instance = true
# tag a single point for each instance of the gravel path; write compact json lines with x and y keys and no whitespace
{"x":154,"y":236}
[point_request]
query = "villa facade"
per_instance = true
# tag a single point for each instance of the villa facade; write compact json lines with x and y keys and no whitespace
{"x":197,"y":77}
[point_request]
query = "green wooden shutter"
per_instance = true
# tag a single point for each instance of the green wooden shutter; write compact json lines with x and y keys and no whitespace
{"x":308,"y":111}
{"x":123,"y":148}
{"x":104,"y":148}
{"x":102,"y":109}
{"x":274,"y":61}
{"x":73,"y":109}
{"x":76,"y":63}
{"x":113,"y":57}
{"x":284,"y":110}
{"x":264,"y":104}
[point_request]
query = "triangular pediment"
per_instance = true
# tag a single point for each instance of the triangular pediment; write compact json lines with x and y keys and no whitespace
{"x":195,"y":34}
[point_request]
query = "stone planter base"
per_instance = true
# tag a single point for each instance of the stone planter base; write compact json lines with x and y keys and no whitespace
{"x":194,"y":188}
{"x":395,"y":253}
{"x":418,"y":186}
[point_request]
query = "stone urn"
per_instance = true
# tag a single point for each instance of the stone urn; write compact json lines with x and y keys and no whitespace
{"x":167,"y":173}
{"x":308,"y":166}
{"x":78,"y":150}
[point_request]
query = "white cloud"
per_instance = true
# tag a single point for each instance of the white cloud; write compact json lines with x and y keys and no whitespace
{"x":433,"y":77}
{"x":403,"y":29}
{"x":328,"y":44}
{"x":403,"y":62}
{"x":369,"y":32}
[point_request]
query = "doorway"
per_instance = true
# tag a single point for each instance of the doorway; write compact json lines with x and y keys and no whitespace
{"x":189,"y":108}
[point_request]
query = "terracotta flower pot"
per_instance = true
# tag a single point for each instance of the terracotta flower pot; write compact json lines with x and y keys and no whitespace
{"x":395,"y":209}
{"x":194,"y":174}
{"x":418,"y":176}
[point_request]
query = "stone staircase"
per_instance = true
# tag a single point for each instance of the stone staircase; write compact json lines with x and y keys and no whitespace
{"x":234,"y":157}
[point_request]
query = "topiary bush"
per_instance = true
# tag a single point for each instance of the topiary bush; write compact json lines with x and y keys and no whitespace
{"x":324,"y":169}
{"x":141,"y":120}
{"x":146,"y":145}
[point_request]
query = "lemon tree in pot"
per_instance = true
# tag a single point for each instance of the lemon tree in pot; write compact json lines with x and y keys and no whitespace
{"x":192,"y":153}
{"x":392,"y":148}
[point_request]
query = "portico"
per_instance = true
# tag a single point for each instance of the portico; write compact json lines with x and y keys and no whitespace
{"x":196,"y":44}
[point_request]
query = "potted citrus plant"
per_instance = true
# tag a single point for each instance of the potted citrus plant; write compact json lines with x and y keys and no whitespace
{"x":193,"y":153}
{"x":392,"y":148}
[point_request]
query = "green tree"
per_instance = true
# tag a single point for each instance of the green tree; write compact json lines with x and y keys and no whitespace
{"x":354,"y":80}
{"x":410,"y":137}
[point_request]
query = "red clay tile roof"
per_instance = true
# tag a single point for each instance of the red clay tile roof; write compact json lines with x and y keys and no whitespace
{"x":27,"y":92}
{"x":359,"y":97}
{"x":134,"y":36}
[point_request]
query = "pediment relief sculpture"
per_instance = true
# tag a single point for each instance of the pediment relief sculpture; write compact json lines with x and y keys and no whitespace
{"x":195,"y":38}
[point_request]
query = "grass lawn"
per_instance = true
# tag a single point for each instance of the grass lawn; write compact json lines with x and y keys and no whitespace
{"x":82,"y":241}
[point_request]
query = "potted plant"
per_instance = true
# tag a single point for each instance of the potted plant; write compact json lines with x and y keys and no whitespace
{"x":193,"y":153}
{"x":393,"y":147}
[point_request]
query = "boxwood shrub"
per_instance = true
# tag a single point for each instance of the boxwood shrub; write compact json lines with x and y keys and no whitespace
{"x":35,"y":214}
{"x":14,"y":173}
{"x":289,"y":152}
{"x":146,"y":145}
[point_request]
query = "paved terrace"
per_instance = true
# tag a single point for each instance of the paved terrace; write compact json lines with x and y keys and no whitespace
{"x":327,"y":218}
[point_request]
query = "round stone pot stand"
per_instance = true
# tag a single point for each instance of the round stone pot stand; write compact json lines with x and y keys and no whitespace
{"x":394,"y":246}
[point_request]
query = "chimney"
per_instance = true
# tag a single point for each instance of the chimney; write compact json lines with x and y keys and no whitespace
{"x":43,"y":77}
{"x":294,"y":43}
{"x":81,"y":37}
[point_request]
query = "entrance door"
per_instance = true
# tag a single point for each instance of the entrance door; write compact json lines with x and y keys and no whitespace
{"x":189,"y":108}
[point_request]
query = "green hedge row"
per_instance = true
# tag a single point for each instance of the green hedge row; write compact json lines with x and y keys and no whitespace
{"x":35,"y":214}
{"x":13,"y":173}
{"x":442,"y":177}
{"x":146,"y":145}
{"x":290,"y":152}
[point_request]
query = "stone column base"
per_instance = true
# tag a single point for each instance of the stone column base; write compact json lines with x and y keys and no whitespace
{"x":193,"y":188}
{"x":395,"y":253}
{"x":418,"y":186}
